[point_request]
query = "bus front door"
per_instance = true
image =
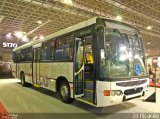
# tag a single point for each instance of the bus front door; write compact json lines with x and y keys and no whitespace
{"x":79,"y":68}
{"x":85,"y":81}
{"x":36,"y":71}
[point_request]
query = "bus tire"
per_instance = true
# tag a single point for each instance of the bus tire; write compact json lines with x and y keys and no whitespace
{"x":64,"y":92}
{"x":23,"y":83}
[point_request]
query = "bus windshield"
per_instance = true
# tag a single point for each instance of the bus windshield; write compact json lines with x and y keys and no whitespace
{"x":122,"y":56}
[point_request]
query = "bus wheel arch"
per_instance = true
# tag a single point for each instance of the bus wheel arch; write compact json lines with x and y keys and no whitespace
{"x":63,"y":89}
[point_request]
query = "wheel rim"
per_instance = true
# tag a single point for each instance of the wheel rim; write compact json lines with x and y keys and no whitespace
{"x":64,"y":91}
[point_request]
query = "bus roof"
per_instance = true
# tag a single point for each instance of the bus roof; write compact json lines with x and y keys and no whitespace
{"x":68,"y":30}
{"x":61,"y":32}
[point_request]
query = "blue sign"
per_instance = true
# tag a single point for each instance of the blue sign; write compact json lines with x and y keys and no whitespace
{"x":137,"y":69}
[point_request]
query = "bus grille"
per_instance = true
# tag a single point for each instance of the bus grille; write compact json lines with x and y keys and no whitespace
{"x":131,"y":83}
{"x":133,"y":91}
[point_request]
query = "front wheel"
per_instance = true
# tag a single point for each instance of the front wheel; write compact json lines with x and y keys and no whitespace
{"x":64,"y":93}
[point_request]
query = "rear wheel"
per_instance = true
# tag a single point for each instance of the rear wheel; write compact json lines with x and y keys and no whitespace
{"x":64,"y":92}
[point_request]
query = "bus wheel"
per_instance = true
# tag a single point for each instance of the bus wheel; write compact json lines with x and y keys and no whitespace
{"x":64,"y":93}
{"x":23,"y":83}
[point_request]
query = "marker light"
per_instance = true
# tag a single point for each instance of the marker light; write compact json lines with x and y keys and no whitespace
{"x":106,"y":92}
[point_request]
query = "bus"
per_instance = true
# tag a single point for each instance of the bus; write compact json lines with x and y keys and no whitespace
{"x":100,"y":62}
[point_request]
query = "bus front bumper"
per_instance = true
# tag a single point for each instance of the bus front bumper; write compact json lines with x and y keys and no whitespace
{"x":103,"y":101}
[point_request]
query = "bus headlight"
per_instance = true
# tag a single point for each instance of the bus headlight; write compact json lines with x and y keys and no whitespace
{"x":116,"y":93}
{"x":113,"y":93}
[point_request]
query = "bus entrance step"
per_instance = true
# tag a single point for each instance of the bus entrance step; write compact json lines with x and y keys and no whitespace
{"x":89,"y":85}
{"x":88,"y":95}
{"x":86,"y":101}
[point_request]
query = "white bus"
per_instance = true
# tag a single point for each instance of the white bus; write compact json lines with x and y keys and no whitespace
{"x":99,"y":61}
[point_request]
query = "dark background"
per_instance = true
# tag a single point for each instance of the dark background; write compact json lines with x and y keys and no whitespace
{"x":6,"y":54}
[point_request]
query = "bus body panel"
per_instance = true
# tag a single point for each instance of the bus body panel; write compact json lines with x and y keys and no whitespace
{"x":26,"y":68}
{"x":49,"y":72}
{"x":14,"y":69}
{"x":56,"y":69}
{"x":102,"y":100}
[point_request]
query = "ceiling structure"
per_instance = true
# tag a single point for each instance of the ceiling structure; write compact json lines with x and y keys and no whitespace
{"x":23,"y":15}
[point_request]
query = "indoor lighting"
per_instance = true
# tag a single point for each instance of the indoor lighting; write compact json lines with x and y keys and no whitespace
{"x":149,"y":27}
{"x":68,"y":2}
{"x":148,"y":43}
{"x":18,"y":34}
{"x":35,"y":38}
{"x":41,"y":37}
{"x":25,"y":39}
{"x":146,"y":54}
{"x":39,"y":22}
{"x":9,"y":35}
{"x":119,"y":18}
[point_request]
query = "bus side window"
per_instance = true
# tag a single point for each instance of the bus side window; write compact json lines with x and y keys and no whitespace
{"x":29,"y":55}
{"x":18,"y":57}
{"x":25,"y":55}
{"x":64,"y":48}
{"x":47,"y":50}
